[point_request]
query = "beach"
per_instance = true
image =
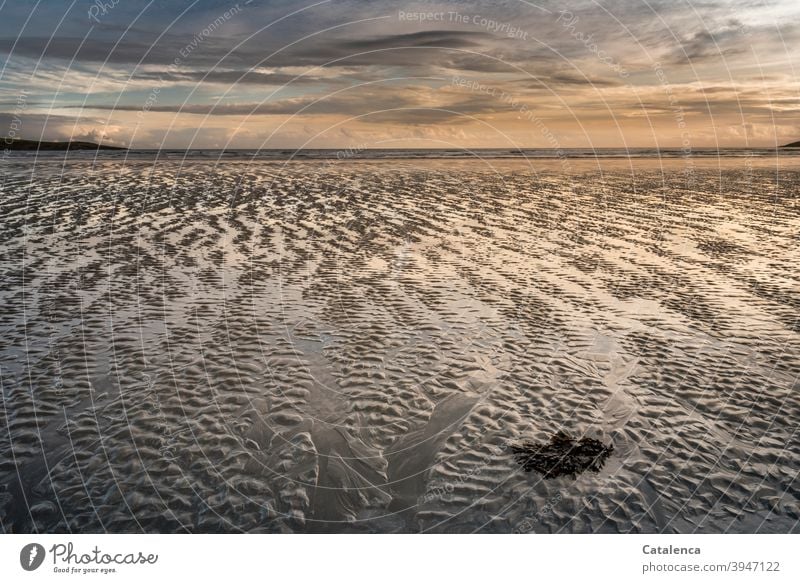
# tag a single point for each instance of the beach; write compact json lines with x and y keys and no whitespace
{"x":239,"y":345}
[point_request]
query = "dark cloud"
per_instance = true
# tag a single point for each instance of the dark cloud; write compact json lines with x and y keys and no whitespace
{"x":705,"y":44}
{"x":382,"y":104}
{"x":391,"y":50}
{"x":426,"y":38}
{"x":79,"y":49}
{"x":575,"y":78}
{"x":238,"y":76}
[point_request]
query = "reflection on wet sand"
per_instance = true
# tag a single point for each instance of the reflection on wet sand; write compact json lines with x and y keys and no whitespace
{"x":353,"y":347}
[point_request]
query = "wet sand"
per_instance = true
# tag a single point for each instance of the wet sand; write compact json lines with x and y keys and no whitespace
{"x":353,"y":347}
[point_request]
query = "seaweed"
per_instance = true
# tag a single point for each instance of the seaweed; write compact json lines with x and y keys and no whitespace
{"x":563,"y":456}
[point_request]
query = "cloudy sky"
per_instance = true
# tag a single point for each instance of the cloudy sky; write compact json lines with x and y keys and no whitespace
{"x":379,"y":73}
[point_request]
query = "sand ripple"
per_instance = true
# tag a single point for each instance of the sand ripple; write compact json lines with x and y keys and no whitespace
{"x":354,"y":346}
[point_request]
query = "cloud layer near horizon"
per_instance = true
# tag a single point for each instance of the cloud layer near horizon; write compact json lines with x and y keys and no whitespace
{"x":504,"y":73}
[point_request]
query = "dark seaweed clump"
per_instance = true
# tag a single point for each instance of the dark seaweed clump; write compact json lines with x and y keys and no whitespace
{"x":563,"y":456}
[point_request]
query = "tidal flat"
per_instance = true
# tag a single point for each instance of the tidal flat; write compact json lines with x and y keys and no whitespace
{"x":238,"y":346}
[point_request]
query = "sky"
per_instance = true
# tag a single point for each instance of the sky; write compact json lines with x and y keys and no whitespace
{"x":358,"y":74}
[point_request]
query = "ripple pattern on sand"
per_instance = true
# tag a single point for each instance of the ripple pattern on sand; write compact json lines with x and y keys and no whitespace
{"x":343,"y":347}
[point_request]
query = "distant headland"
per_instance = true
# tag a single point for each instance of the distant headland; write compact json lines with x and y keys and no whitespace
{"x":33,"y":145}
{"x":792,"y":145}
